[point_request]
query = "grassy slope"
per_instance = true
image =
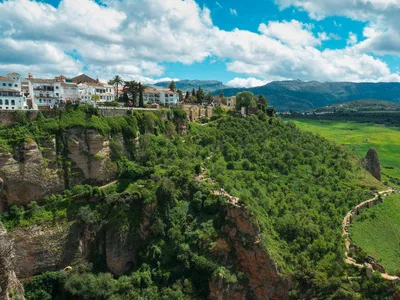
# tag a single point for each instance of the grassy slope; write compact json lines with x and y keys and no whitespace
{"x":380,"y":236}
{"x":360,"y":137}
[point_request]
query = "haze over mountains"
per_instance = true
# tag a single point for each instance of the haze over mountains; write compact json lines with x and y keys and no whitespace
{"x":300,"y":95}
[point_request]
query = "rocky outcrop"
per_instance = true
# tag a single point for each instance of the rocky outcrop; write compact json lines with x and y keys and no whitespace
{"x":372,"y":163}
{"x":40,"y":248}
{"x":220,"y":290}
{"x":264,"y":279}
{"x":26,"y":176}
{"x":31,"y":172}
{"x":90,"y":155}
{"x":120,"y":254}
{"x":10,"y":287}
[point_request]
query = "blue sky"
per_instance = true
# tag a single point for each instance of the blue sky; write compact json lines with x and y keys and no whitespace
{"x":241,"y":43}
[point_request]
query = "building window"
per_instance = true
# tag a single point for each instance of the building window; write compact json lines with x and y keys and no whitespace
{"x":12,"y":102}
{"x":10,"y":85}
{"x":4,"y":84}
{"x":16,"y":85}
{"x":1,"y":102}
{"x":6,"y":102}
{"x":56,"y":87}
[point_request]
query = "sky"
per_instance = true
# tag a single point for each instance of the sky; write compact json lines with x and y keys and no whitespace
{"x":241,"y":43}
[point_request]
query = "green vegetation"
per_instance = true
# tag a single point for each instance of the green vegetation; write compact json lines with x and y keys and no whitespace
{"x":360,"y":137}
{"x":297,"y":187}
{"x":377,"y":232}
{"x":362,"y":105}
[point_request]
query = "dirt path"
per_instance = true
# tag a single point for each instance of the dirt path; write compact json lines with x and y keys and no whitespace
{"x":202,"y":177}
{"x":108,"y":184}
{"x":346,"y":227}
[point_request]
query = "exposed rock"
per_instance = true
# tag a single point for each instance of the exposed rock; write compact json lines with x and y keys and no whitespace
{"x":40,"y":249}
{"x":30,"y":173}
{"x":89,"y":153}
{"x":26,"y":177}
{"x":372,"y":163}
{"x":264,"y":280}
{"x":120,"y":255}
{"x":10,"y":287}
{"x":220,"y":290}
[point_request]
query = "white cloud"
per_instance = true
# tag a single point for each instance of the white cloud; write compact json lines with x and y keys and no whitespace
{"x":246,"y":82}
{"x":352,"y":40}
{"x":381,"y":14}
{"x":233,"y":12}
{"x":292,"y":33}
{"x":134,"y":38}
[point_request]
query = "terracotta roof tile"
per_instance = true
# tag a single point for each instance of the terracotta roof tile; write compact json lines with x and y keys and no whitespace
{"x":40,"y":80}
{"x":5,"y":78}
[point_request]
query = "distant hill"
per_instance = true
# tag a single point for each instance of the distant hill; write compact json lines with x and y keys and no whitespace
{"x":188,"y":85}
{"x":362,"y":106}
{"x":299,"y":95}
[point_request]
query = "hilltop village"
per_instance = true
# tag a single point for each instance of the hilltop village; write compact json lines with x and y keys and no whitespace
{"x":32,"y":93}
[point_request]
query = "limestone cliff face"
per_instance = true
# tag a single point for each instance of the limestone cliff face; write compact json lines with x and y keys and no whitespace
{"x":372,"y":163}
{"x":44,"y":248}
{"x":264,"y":280}
{"x":27,"y":177}
{"x":31,"y":172}
{"x":10,"y":287}
{"x":89,"y":153}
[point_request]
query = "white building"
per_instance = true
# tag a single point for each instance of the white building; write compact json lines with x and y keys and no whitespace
{"x":52,"y":93}
{"x":11,"y":97}
{"x":160,"y":96}
{"x":105,"y":93}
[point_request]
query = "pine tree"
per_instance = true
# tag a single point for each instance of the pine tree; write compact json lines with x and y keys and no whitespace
{"x":172,"y":86}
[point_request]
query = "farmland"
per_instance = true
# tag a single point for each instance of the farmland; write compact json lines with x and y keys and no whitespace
{"x":360,"y":137}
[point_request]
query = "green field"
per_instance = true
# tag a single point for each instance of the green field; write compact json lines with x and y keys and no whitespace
{"x":360,"y":137}
{"x":377,"y":232}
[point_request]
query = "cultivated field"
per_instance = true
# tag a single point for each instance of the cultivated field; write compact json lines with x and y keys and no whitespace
{"x":360,"y":137}
{"x":377,"y":232}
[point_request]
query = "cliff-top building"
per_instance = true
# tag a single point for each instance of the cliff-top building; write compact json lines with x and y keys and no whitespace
{"x":52,"y":93}
{"x":11,"y":97}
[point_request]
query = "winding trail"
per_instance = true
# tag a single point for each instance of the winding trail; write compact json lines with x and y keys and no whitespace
{"x":346,"y":226}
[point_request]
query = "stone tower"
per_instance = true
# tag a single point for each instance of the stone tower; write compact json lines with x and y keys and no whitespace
{"x":372,"y":163}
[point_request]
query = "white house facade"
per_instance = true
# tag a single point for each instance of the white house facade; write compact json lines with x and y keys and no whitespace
{"x":52,"y":93}
{"x":160,"y":96}
{"x":11,"y":97}
{"x":105,"y":92}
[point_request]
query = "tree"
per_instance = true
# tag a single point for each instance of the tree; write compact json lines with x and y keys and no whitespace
{"x":194,"y":92}
{"x":95,"y":98}
{"x":132,"y":88}
{"x":172,"y":86}
{"x":116,"y":82}
{"x":141,"y":89}
{"x":125,"y":98}
{"x":245,"y":99}
{"x":262,"y":103}
{"x":187,"y":96}
{"x":209,"y":98}
{"x":200,"y":95}
{"x":180,"y":93}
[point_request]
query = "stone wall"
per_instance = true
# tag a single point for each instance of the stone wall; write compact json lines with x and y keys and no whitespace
{"x":197,"y":112}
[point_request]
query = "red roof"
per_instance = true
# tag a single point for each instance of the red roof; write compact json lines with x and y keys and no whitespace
{"x":5,"y":78}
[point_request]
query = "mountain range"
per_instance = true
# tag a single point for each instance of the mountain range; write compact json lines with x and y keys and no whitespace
{"x":299,"y":95}
{"x":189,"y":85}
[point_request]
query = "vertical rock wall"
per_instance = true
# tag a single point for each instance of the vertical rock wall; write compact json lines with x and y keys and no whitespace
{"x":10,"y":287}
{"x":372,"y":163}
